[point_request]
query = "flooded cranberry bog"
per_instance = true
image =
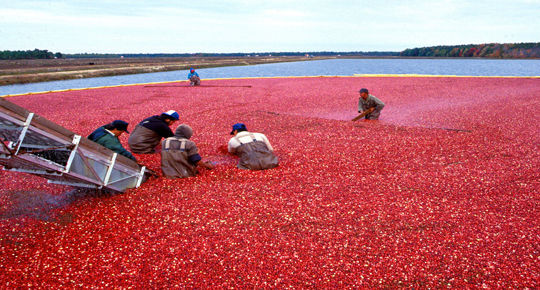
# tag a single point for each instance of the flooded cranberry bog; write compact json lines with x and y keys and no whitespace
{"x":442,"y":191}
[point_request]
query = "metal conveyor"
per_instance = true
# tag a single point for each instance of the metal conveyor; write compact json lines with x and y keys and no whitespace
{"x":32,"y":144}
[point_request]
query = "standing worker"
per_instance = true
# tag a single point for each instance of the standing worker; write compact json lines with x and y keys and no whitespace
{"x":180,"y":156}
{"x":148,"y":132}
{"x":254,"y":150}
{"x":107,"y":136}
{"x":193,"y":78}
{"x":369,"y":105}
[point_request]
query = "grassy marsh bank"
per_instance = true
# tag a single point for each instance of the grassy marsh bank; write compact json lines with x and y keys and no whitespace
{"x":42,"y":70}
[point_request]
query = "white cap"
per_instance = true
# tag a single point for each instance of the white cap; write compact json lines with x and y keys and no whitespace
{"x":173,"y":114}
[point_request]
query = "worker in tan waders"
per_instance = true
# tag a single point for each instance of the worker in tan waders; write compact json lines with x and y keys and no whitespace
{"x":147,"y":134}
{"x":369,"y":105}
{"x":254,"y":150}
{"x":180,"y":156}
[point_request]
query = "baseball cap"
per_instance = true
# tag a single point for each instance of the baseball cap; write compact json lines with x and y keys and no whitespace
{"x":173,"y":114}
{"x":120,"y":125}
{"x":364,"y":90}
{"x":238,"y":127}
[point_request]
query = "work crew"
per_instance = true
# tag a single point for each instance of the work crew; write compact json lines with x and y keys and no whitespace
{"x":254,"y":150}
{"x":107,"y":136}
{"x":148,"y":132}
{"x":193,"y":78}
{"x":180,"y":156}
{"x":370,"y":105}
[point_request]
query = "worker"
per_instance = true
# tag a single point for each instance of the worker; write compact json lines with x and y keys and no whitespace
{"x":148,"y":132}
{"x":180,"y":156}
{"x":254,"y":150}
{"x":107,"y":136}
{"x":369,"y":104}
{"x":193,"y":78}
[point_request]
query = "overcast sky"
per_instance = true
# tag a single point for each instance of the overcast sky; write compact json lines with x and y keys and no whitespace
{"x":167,"y":26}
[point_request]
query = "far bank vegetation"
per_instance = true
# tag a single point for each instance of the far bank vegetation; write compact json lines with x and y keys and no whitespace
{"x":489,"y":50}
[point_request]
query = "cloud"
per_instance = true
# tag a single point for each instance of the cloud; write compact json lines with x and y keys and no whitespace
{"x":26,"y":16}
{"x":257,"y":25}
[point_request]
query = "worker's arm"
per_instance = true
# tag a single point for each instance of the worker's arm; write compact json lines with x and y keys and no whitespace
{"x":206,"y":164}
{"x":379,"y":105}
{"x":370,"y":110}
{"x":363,"y":114}
{"x":195,"y":158}
{"x":118,"y":148}
{"x":232,"y":145}
{"x":128,"y":155}
{"x":163,"y":130}
{"x":113,"y":143}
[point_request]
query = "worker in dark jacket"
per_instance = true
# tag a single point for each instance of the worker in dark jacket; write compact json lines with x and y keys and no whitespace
{"x":147,"y":134}
{"x":254,"y":149}
{"x":180,"y":156}
{"x":193,"y":78}
{"x":107,"y":136}
{"x":370,"y":105}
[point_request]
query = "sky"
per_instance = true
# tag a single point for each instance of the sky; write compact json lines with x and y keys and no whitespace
{"x":224,"y":26}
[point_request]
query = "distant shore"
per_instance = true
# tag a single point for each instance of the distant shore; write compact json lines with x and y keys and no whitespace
{"x":43,"y":70}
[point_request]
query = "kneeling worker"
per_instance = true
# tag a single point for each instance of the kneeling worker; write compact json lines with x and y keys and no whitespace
{"x":254,"y":150}
{"x":193,"y":77}
{"x":148,"y":132}
{"x":370,"y":105}
{"x":107,"y":136}
{"x":180,"y":156}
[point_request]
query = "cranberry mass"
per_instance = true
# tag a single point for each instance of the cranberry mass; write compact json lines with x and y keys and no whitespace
{"x":442,"y":191}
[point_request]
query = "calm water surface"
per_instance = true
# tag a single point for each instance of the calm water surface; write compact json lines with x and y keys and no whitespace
{"x":332,"y":67}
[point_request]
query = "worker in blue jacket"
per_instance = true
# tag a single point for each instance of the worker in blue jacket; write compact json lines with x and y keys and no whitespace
{"x":107,"y":136}
{"x":193,"y":78}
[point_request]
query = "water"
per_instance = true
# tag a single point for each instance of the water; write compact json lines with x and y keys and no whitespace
{"x":332,"y":67}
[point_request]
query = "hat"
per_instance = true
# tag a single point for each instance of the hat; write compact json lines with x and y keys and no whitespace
{"x":238,"y":127}
{"x":120,"y":125}
{"x":364,"y":90}
{"x":184,"y":131}
{"x":173,"y":114}
{"x":191,"y":69}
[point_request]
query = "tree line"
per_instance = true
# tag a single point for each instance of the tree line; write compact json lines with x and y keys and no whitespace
{"x":238,"y":54}
{"x":45,"y":54}
{"x":489,"y":50}
{"x":29,"y":54}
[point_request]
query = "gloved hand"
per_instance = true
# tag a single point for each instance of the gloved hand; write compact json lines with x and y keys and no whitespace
{"x":207,"y":164}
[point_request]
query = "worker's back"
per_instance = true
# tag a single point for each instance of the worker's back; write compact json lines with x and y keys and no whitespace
{"x":254,"y":152}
